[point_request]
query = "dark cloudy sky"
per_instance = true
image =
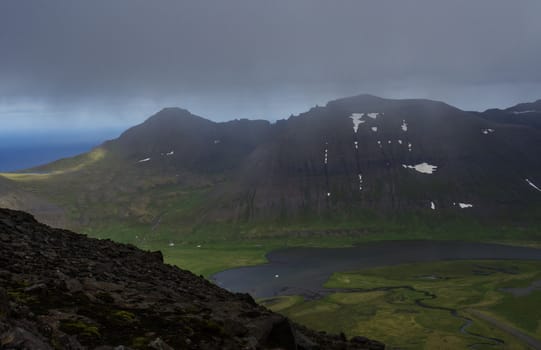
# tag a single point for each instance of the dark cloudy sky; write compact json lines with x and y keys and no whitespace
{"x":114,"y":62}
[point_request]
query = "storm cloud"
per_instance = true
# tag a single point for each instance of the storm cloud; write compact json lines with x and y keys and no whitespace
{"x":116,"y":61}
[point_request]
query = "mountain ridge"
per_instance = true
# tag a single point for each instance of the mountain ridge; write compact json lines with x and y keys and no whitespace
{"x":527,"y":114}
{"x":358,"y":156}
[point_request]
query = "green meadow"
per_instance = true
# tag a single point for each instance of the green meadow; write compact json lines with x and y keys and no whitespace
{"x":383,"y":303}
{"x":161,"y":215}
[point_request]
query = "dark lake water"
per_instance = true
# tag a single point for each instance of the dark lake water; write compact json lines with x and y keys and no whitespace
{"x":304,"y":270}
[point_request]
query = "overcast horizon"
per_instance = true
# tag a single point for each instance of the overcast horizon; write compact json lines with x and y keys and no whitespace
{"x":104,"y":64}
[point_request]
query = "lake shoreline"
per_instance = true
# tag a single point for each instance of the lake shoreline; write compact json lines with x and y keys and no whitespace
{"x":291,"y":270}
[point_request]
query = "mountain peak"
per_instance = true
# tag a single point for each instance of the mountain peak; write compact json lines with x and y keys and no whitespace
{"x":372,"y":100}
{"x":174,"y":114}
{"x":357,"y":153}
{"x":177,"y":110}
{"x":361,"y":98}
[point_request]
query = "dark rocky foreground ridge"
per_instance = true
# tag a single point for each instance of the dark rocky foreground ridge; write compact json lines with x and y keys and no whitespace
{"x":62,"y":290}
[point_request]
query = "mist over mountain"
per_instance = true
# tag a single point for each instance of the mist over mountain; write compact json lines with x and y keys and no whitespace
{"x":233,"y":139}
{"x":354,"y":157}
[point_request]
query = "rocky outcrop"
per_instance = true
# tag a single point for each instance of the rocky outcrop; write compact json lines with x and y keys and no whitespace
{"x":62,"y":290}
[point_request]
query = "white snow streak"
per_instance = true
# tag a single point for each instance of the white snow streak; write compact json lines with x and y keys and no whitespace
{"x":522,"y":112}
{"x":432,"y":205}
{"x":144,"y":160}
{"x":170,"y":153}
{"x":360,"y":182}
{"x":424,"y":168}
{"x":373,"y":115}
{"x":400,"y":142}
{"x":487,"y":131}
{"x":356,"y":144}
{"x":465,"y":205}
{"x":410,"y":146}
{"x":326,"y":156}
{"x":374,"y":128}
{"x":356,"y":118}
{"x":404,"y":126}
{"x":533,"y":185}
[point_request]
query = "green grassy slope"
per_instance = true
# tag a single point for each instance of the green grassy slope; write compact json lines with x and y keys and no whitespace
{"x":251,"y":186}
{"x":105,"y":197}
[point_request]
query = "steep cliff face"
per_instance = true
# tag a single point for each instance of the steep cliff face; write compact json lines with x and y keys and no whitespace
{"x":394,"y":156}
{"x":62,"y":290}
{"x":356,"y":155}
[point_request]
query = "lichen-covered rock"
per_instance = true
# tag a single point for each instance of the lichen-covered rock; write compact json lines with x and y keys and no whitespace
{"x":62,"y":290}
{"x":20,"y":338}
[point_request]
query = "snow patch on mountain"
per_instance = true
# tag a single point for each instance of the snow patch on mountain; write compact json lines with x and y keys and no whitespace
{"x":143,"y":160}
{"x":465,"y":205}
{"x":404,"y":126}
{"x":374,"y":128}
{"x":356,"y":119}
{"x":424,"y":168}
{"x":487,"y":131}
{"x":523,"y":112}
{"x":533,"y":185}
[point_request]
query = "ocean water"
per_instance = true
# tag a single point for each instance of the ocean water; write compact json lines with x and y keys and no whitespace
{"x":25,"y":149}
